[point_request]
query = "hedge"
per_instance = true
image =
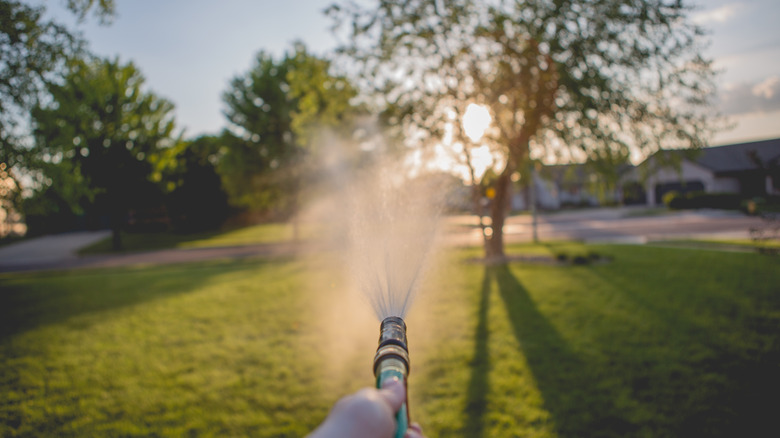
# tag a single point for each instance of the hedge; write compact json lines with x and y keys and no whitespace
{"x":723,"y":201}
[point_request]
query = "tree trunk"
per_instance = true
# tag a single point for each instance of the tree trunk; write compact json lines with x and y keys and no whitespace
{"x":494,"y":245}
{"x":116,"y":239}
{"x":476,"y":201}
{"x":116,"y":228}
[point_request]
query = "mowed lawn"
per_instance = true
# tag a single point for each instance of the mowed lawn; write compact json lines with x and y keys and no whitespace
{"x":656,"y":342}
{"x":250,"y":235}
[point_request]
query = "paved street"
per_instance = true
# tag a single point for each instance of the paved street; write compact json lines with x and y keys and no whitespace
{"x":47,"y":250}
{"x":62,"y":258}
{"x":607,"y":225}
{"x":615,"y":225}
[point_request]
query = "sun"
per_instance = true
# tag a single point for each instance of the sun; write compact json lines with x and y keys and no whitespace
{"x":448,"y":155}
{"x":476,"y":120}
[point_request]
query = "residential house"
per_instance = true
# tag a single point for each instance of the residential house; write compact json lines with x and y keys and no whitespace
{"x":748,"y":169}
{"x":569,"y":185}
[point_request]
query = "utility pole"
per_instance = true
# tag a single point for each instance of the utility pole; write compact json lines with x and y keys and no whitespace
{"x":532,"y":197}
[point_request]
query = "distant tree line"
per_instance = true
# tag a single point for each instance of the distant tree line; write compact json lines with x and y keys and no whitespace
{"x":84,"y":140}
{"x":88,"y":145}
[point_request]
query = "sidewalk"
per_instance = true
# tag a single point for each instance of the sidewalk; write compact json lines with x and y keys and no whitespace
{"x":594,"y":225}
{"x":47,"y":250}
{"x":59,"y":252}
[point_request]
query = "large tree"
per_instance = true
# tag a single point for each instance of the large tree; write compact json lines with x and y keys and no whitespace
{"x":195,"y":198}
{"x":98,"y":135}
{"x":33,"y":52}
{"x":581,"y":75}
{"x":276,"y":109}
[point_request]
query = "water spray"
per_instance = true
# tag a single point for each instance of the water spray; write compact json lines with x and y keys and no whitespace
{"x":393,"y":224}
{"x":392,"y":361}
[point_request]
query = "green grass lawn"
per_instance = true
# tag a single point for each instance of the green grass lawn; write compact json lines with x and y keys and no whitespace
{"x":744,"y":244}
{"x":251,"y":235}
{"x":658,"y":342}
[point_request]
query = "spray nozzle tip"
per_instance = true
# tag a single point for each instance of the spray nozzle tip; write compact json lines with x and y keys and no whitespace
{"x":393,"y":331}
{"x":392,"y":343}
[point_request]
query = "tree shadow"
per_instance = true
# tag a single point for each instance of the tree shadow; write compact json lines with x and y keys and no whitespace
{"x":706,"y":384}
{"x":32,"y":300}
{"x":479,"y":386}
{"x":580,"y":404}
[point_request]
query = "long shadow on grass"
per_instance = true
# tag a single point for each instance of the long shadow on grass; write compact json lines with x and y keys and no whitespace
{"x":707,"y":384}
{"x":570,"y":386}
{"x":478,"y":384}
{"x":28,"y":301}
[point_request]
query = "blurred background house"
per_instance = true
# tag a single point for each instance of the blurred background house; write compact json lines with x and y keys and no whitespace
{"x":746,"y":169}
{"x":734,"y":172}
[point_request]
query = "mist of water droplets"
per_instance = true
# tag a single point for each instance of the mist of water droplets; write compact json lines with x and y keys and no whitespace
{"x":392,"y":229}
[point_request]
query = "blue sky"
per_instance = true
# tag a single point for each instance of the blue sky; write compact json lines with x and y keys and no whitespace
{"x":189,"y":49}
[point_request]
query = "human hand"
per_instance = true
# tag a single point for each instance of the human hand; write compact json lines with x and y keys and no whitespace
{"x":368,"y":413}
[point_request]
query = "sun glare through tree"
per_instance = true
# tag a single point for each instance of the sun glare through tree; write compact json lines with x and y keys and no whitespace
{"x":476,"y":121}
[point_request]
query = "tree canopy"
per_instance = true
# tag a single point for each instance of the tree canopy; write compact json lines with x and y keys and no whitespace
{"x":195,"y":199}
{"x":564,"y":78}
{"x":32,"y":51}
{"x":275,"y":109}
{"x":99,"y":134}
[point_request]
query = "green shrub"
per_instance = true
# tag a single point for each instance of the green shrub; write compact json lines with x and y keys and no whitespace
{"x":721,"y":201}
{"x":669,"y":198}
{"x":761,"y":205}
{"x":580,"y":260}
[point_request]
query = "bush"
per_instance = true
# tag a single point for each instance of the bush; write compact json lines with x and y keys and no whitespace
{"x":580,"y":260}
{"x":721,"y":201}
{"x":669,"y":198}
{"x":762,"y":205}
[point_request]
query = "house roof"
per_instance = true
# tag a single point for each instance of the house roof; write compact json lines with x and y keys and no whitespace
{"x":739,"y":157}
{"x":576,"y":172}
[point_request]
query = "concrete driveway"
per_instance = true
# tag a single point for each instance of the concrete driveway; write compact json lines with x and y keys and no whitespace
{"x":47,"y":250}
{"x":625,"y":225}
{"x":60,"y":252}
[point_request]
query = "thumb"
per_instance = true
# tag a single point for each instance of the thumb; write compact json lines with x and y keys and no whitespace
{"x":393,"y":393}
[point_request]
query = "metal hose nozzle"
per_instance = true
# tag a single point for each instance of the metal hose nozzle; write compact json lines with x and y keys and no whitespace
{"x":392,"y":361}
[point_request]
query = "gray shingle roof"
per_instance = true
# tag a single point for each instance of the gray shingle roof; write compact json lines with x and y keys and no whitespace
{"x":739,"y":157}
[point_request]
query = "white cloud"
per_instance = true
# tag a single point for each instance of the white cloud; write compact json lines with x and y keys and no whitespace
{"x":751,"y":97}
{"x":753,"y":126}
{"x":768,"y":88}
{"x":718,"y":15}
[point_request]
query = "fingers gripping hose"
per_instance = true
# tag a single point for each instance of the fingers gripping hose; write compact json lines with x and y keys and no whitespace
{"x":392,"y":361}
